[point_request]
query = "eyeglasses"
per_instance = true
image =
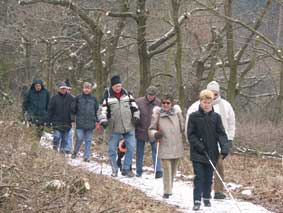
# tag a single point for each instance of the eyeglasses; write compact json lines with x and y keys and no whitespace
{"x":166,"y":102}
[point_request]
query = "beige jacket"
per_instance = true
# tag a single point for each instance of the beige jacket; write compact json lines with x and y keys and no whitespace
{"x":171,"y":126}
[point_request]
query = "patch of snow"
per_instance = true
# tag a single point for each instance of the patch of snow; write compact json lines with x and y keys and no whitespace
{"x":247,"y":192}
{"x":182,"y":197}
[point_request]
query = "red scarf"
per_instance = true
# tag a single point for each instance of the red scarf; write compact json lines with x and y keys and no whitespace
{"x":118,"y":95}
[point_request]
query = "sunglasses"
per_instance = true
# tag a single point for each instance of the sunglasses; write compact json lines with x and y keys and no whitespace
{"x":166,"y":102}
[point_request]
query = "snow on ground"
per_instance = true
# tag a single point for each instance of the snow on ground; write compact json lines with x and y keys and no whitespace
{"x":182,"y":196}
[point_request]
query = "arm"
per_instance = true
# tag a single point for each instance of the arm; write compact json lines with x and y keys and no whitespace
{"x":134,"y":107}
{"x":231,"y":123}
{"x":192,"y":108}
{"x":222,"y":137}
{"x":51,"y":107}
{"x":153,"y":127}
{"x":194,"y":140}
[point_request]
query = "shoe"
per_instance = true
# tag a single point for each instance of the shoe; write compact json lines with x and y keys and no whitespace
{"x":74,"y":155}
{"x":128,"y":173}
{"x":206,"y":202}
{"x":219,"y":195}
{"x":86,"y":160}
{"x":55,"y":148}
{"x":166,"y":196}
{"x":67,"y":152}
{"x":138,"y":175}
{"x":114,"y":174}
{"x":196,"y":205}
{"x":158,"y":174}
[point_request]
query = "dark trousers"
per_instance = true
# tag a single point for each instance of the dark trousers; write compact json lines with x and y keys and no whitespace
{"x":202,"y":181}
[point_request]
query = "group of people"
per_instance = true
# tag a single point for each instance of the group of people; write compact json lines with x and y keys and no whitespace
{"x":209,"y":129}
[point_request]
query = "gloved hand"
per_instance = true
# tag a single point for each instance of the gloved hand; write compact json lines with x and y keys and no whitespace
{"x":104,"y":124}
{"x":223,"y":155}
{"x":135,"y":121}
{"x":158,"y":135}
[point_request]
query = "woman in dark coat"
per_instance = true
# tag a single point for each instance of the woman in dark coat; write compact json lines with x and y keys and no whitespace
{"x":205,"y":132}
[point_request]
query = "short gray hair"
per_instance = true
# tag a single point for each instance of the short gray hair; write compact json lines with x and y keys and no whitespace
{"x":87,"y":84}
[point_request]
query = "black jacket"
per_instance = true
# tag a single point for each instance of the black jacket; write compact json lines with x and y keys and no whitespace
{"x":36,"y":103}
{"x":205,"y":131}
{"x":60,"y":112}
{"x":85,"y":108}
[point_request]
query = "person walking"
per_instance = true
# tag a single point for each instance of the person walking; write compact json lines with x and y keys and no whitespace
{"x":225,"y":110}
{"x":120,"y":113}
{"x":35,"y":105}
{"x":205,"y":132}
{"x":167,"y":126}
{"x":85,"y":109}
{"x":61,"y":117}
{"x":146,"y":105}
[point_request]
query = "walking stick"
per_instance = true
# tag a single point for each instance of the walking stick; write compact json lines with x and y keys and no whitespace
{"x":225,"y":186}
{"x":157,"y":148}
{"x":102,"y":146}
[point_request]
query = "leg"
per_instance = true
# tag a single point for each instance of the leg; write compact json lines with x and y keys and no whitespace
{"x":79,"y":140}
{"x":175,"y":164}
{"x":198,"y":181}
{"x":167,"y":177}
{"x":88,"y":139}
{"x":64,"y":141}
{"x":153,"y":155}
{"x":56,"y":139}
{"x":208,"y":174}
{"x":112,"y":151}
{"x":218,"y":186}
{"x":130,"y":141}
{"x":69,"y":145}
{"x":139,"y":157}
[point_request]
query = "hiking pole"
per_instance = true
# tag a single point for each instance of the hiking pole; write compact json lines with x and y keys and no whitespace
{"x":102,"y":150}
{"x":224,"y":184}
{"x":157,"y":148}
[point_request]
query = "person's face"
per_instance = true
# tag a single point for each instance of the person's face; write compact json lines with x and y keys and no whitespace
{"x":87,"y":90}
{"x":206,"y":105}
{"x":63,"y":90}
{"x":117,"y":88}
{"x":150,"y":97}
{"x":166,"y":105}
{"x":69,"y":90}
{"x":37,"y":87}
{"x":216,"y":94}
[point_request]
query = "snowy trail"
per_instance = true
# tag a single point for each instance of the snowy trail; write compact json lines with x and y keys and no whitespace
{"x":182,"y":196}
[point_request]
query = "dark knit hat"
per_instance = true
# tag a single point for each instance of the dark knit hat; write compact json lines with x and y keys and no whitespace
{"x":115,"y":80}
{"x":62,"y":85}
{"x":68,"y":83}
{"x":151,"y":90}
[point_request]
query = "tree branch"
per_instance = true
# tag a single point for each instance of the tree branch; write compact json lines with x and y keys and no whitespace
{"x":163,"y":49}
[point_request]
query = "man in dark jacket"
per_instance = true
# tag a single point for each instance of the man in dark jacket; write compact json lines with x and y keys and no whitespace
{"x":120,"y":112}
{"x":146,"y":104}
{"x":205,"y":132}
{"x":85,"y":108}
{"x":35,"y":104}
{"x":60,"y":115}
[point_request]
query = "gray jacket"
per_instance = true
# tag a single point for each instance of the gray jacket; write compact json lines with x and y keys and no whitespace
{"x":85,"y":108}
{"x":118,"y":112}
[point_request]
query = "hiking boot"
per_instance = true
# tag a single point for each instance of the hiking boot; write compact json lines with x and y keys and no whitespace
{"x":219,"y":195}
{"x":74,"y":155}
{"x":206,"y":202}
{"x":114,"y":174}
{"x":196,"y":205}
{"x":159,"y":174}
{"x":86,"y":160}
{"x":128,"y":173}
{"x":67,"y":152}
{"x":166,"y":196}
{"x":138,"y":174}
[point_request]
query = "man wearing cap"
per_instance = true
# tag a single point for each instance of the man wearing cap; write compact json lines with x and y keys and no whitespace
{"x":35,"y":105}
{"x":225,"y":110}
{"x":120,"y":113}
{"x":146,"y":104}
{"x":61,"y":116}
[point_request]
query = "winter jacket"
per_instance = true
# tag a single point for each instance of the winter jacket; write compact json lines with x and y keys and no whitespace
{"x":36,"y":103}
{"x":145,"y":108}
{"x":171,"y":126}
{"x":205,"y":131}
{"x":227,"y":115}
{"x":60,"y":112}
{"x":85,"y":108}
{"x":118,"y":112}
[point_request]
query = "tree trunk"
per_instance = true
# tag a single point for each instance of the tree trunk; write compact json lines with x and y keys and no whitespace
{"x":279,"y":100}
{"x":232,"y":83}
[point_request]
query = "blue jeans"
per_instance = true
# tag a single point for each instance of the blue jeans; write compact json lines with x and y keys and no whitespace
{"x":140,"y":154}
{"x":202,"y":181}
{"x":60,"y":139}
{"x":83,"y":135}
{"x":130,"y":141}
{"x":69,"y":144}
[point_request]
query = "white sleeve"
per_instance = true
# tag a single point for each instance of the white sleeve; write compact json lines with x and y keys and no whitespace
{"x":231,"y":122}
